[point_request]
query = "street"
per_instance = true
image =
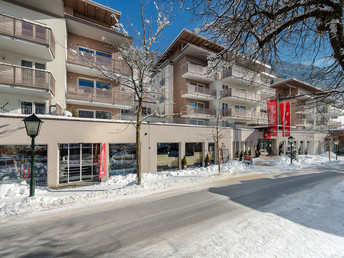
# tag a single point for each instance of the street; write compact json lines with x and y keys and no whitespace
{"x":162,"y":222}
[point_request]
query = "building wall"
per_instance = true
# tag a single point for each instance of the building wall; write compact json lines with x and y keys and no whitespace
{"x":58,"y":26}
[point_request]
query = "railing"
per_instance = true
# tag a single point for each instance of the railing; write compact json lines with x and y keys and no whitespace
{"x":245,"y":95}
{"x":240,"y":113}
{"x":304,"y":122}
{"x":199,"y":111}
{"x":196,"y":69}
{"x":99,"y":95}
{"x":27,"y":77}
{"x":24,"y":29}
{"x":268,"y":91}
{"x":245,"y":74}
{"x":196,"y":90}
{"x":24,"y":110}
{"x":305,"y":110}
{"x":100,"y":62}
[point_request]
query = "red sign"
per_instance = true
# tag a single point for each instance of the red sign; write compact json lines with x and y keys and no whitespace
{"x":285,"y":118}
{"x":102,"y":164}
{"x":272,"y":117}
{"x":267,"y":135}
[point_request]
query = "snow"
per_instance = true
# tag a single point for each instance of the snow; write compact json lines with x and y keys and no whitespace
{"x":14,"y":198}
{"x":308,"y":224}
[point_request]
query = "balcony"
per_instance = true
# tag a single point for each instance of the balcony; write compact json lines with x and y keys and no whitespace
{"x":87,"y":63}
{"x":27,"y":38}
{"x":240,"y":96}
{"x":197,"y":112}
{"x":304,"y":122}
{"x":82,"y":95}
{"x":305,"y":111}
{"x":196,"y":72}
{"x":199,"y":93}
{"x":239,"y":114}
{"x":29,"y":81}
{"x":240,"y":75}
{"x":329,"y":111}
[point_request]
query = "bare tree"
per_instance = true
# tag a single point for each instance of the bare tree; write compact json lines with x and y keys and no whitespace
{"x":140,"y":61}
{"x":307,"y":31}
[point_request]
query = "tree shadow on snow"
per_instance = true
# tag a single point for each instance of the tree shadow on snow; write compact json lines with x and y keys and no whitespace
{"x":310,"y":200}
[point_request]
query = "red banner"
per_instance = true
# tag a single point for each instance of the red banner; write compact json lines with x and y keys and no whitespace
{"x":272,"y":117}
{"x":285,"y":118}
{"x":102,"y":164}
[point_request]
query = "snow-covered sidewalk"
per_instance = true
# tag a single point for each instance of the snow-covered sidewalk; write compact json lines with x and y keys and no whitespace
{"x":14,"y":198}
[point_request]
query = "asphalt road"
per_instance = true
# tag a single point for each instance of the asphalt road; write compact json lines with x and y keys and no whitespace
{"x":166,"y":221}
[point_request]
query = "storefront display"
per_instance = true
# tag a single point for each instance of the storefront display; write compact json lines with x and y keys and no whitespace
{"x":167,"y":156}
{"x":122,"y":159}
{"x":15,"y":163}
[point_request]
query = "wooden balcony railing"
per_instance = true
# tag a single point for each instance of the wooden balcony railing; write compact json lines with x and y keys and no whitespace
{"x":199,"y":111}
{"x":197,"y":70}
{"x":304,"y":122}
{"x":245,"y":95}
{"x":196,"y":90}
{"x":23,"y":29}
{"x":99,"y":95}
{"x":27,"y":77}
{"x":96,"y":61}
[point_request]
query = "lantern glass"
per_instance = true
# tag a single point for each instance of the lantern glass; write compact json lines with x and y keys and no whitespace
{"x":290,"y":139}
{"x":32,"y":125}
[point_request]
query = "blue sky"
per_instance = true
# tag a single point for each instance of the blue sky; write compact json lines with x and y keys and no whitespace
{"x":130,"y":10}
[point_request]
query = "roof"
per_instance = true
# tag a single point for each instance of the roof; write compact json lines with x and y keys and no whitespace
{"x":188,"y":37}
{"x":295,"y":83}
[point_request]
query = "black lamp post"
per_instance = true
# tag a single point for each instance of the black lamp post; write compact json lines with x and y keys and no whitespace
{"x":336,"y":148}
{"x":32,"y":125}
{"x":291,"y":141}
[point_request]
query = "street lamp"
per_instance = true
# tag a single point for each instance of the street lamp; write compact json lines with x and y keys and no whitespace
{"x":291,"y":141}
{"x":32,"y":125}
{"x":336,"y":143}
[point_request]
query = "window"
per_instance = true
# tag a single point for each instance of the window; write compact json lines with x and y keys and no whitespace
{"x":98,"y":53}
{"x":26,"y":63}
{"x":85,"y":82}
{"x":197,"y":104}
{"x":85,"y":50}
{"x":146,"y":111}
{"x":162,"y":81}
{"x":197,"y":122}
{"x":103,"y":85}
{"x":225,"y":87}
{"x":99,"y":114}
{"x":122,"y":159}
{"x":240,"y":107}
{"x":103,"y":114}
{"x":39,"y":108}
{"x":26,"y":108}
{"x":86,"y":113}
{"x":197,"y":84}
{"x":224,"y":106}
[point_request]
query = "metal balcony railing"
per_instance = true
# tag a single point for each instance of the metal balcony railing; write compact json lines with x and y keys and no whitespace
{"x":27,"y":77}
{"x":92,"y":60}
{"x":23,"y":29}
{"x":196,"y":90}
{"x":99,"y":95}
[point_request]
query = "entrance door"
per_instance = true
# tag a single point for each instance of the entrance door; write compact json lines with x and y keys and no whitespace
{"x":266,"y":146}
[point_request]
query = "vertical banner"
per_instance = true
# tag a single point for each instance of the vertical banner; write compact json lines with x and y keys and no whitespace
{"x":102,"y":163}
{"x":285,"y":118}
{"x":272,"y":117}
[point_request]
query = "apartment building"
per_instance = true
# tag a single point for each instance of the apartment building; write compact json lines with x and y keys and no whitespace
{"x":196,"y":93}
{"x":308,"y":111}
{"x":52,"y":54}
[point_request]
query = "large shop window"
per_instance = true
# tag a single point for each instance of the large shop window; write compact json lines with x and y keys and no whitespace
{"x":194,"y":154}
{"x":15,"y":163}
{"x":167,"y":156}
{"x":79,"y":162}
{"x":122,"y":159}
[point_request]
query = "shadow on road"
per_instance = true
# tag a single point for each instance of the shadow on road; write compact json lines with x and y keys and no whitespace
{"x":311,"y":200}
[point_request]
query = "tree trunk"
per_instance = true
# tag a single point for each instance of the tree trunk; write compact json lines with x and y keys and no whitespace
{"x":138,"y":141}
{"x":218,"y":145}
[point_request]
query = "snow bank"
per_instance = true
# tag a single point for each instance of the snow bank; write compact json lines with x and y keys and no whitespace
{"x":14,"y":198}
